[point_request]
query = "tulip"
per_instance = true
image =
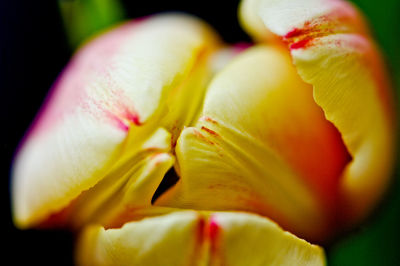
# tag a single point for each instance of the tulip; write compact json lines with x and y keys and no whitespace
{"x":160,"y":145}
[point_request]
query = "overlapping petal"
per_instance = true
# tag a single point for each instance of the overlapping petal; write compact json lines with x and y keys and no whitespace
{"x":332,"y":50}
{"x":261,"y":145}
{"x":128,"y":185}
{"x":196,"y":238}
{"x":117,"y":90}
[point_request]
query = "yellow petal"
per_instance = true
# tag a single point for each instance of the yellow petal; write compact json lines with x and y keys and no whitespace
{"x":262,"y":145}
{"x":196,"y":238}
{"x":253,"y":24}
{"x":109,"y":100}
{"x":130,"y":185}
{"x":332,"y":51}
{"x":164,"y":240}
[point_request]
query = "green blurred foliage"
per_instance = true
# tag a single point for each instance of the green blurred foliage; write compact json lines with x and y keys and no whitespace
{"x":83,"y":18}
{"x":385,"y":20}
{"x":377,"y":241}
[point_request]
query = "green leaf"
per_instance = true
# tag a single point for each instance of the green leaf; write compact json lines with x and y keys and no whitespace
{"x":83,"y":18}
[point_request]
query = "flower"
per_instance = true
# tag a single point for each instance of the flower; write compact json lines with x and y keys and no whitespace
{"x":162,"y":146}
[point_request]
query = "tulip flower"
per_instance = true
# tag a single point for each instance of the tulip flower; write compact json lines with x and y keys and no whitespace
{"x":160,"y":145}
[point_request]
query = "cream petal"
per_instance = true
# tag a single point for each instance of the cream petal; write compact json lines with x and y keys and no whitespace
{"x":196,"y":238}
{"x":109,"y":99}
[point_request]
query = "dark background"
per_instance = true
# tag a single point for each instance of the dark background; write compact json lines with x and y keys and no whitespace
{"x":33,"y":51}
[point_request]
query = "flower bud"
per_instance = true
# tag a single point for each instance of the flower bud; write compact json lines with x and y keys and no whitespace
{"x":164,"y":147}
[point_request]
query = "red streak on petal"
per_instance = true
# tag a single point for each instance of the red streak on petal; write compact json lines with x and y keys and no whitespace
{"x":294,"y":33}
{"x":134,"y":118}
{"x":213,"y":231}
{"x":198,"y":250}
{"x":208,"y":119}
{"x":208,"y":235}
{"x":200,"y":230}
{"x":301,"y":44}
{"x":212,"y":132}
{"x":119,"y":110}
{"x":299,"y":38}
{"x":307,"y":28}
{"x":122,"y":125}
{"x":200,"y":136}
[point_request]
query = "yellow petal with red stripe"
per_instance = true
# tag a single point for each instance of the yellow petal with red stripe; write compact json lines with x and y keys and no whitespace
{"x":332,"y":50}
{"x":261,"y":145}
{"x":196,"y":239}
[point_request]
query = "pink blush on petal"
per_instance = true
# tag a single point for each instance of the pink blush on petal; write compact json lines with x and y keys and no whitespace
{"x":69,"y":90}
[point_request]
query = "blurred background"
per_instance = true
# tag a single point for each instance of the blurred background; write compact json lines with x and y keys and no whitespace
{"x":37,"y":38}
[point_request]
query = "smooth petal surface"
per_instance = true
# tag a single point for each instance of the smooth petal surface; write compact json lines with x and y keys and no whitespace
{"x":117,"y":90}
{"x":129,"y":185}
{"x":332,"y":51}
{"x":261,"y":145}
{"x":253,"y":24}
{"x":196,"y":238}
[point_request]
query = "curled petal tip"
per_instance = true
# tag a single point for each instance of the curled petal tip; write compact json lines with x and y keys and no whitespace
{"x":332,"y":50}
